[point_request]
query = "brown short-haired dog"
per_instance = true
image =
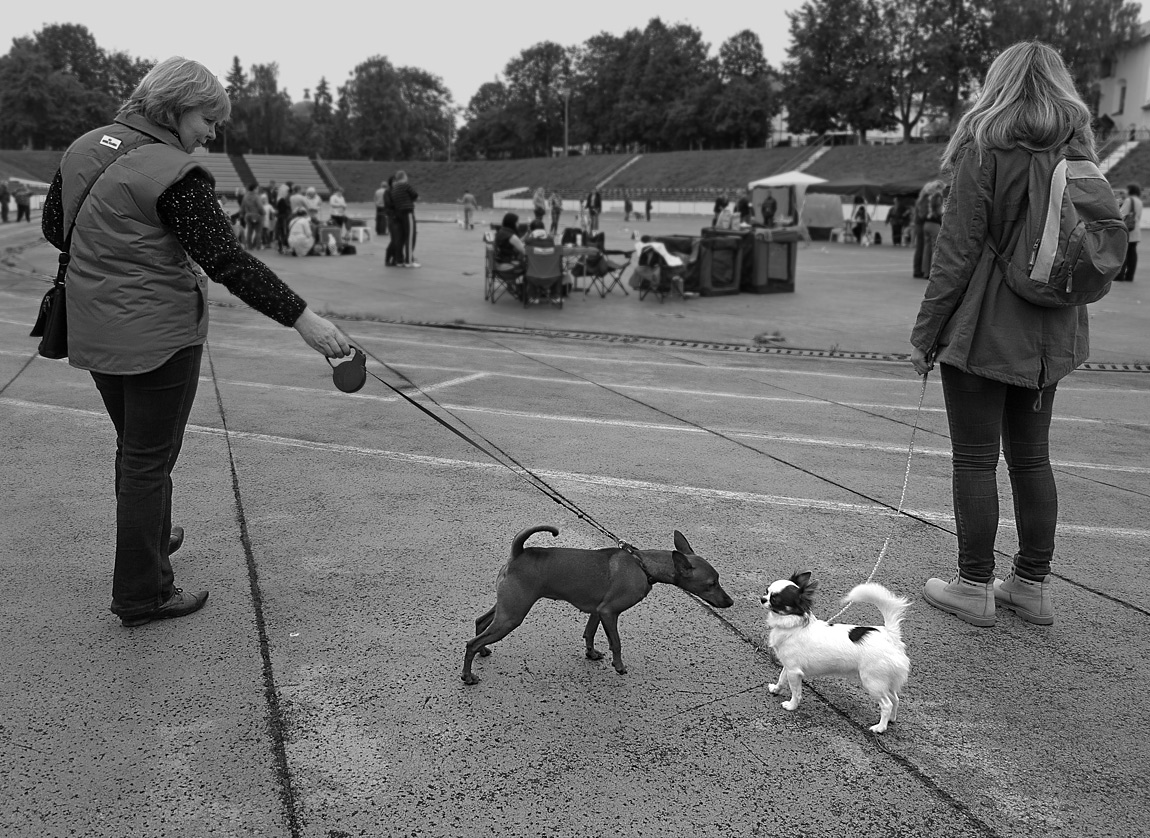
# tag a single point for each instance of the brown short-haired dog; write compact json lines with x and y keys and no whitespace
{"x":603,"y":583}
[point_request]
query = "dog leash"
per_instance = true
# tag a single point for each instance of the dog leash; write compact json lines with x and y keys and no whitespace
{"x":350,"y":376}
{"x":902,"y":497}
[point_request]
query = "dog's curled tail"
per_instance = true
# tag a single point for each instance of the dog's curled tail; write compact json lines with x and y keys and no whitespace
{"x":517,"y":544}
{"x":892,"y":607}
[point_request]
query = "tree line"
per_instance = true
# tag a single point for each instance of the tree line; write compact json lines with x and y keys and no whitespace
{"x":852,"y":65}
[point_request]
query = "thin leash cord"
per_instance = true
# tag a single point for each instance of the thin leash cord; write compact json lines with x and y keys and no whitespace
{"x":503,"y":458}
{"x":902,"y":497}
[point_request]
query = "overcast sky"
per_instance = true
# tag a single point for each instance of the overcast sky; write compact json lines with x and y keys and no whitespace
{"x":464,"y":43}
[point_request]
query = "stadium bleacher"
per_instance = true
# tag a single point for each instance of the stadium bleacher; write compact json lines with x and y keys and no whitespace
{"x":222,"y":168}
{"x":300,"y":171}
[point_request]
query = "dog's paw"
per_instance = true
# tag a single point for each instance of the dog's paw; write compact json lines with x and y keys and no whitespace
{"x":470,"y":679}
{"x":594,"y":655}
{"x":790,"y":705}
{"x":483,"y":652}
{"x":622,"y":670}
{"x":773,"y":689}
{"x":878,"y":728}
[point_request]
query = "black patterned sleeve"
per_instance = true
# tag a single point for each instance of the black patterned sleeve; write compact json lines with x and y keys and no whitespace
{"x":189,"y":209}
{"x":52,"y":213}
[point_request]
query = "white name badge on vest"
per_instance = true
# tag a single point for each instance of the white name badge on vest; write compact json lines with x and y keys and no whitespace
{"x":110,"y":142}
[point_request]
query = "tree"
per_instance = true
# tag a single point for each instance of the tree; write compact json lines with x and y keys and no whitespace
{"x":838,"y":75}
{"x":536,"y":79}
{"x":375,"y":108}
{"x":485,"y":133}
{"x":1086,"y":32}
{"x":599,"y":69}
{"x":427,"y":115}
{"x":665,"y":66}
{"x":744,"y":103}
{"x":268,"y":109}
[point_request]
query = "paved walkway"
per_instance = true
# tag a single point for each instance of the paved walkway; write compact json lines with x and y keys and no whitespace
{"x":348,"y":545}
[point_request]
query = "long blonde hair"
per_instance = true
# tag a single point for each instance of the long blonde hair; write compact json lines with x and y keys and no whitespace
{"x":1028,"y":98}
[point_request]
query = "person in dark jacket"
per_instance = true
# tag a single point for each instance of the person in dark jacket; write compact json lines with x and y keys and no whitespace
{"x":1001,"y":357}
{"x":137,"y":303}
{"x":403,"y":198}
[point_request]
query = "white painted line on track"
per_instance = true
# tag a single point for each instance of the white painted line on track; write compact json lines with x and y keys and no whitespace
{"x":601,"y":481}
{"x":630,"y":362}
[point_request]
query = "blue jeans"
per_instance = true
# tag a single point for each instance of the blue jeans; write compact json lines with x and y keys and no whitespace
{"x":150,"y":411}
{"x":981,"y":413}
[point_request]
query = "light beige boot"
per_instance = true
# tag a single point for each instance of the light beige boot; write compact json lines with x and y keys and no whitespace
{"x":1029,"y":600}
{"x":972,"y":602}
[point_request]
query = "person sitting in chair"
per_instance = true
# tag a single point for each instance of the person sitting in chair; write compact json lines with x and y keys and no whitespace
{"x":509,"y":249}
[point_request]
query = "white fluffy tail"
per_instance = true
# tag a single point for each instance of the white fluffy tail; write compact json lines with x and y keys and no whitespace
{"x":891,"y":606}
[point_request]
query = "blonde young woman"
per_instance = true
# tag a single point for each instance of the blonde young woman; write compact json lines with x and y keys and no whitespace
{"x":1001,"y":357}
{"x":137,"y":305}
{"x":539,"y":204}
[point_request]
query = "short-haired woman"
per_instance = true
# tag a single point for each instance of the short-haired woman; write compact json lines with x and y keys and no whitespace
{"x":1000,"y":356}
{"x":137,"y":305}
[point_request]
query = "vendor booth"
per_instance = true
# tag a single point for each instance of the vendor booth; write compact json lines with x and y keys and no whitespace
{"x":788,"y":189}
{"x":848,"y":192}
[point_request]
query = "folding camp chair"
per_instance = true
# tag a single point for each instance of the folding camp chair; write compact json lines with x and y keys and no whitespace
{"x":652,"y":275}
{"x":499,"y":279}
{"x":543,"y":278}
{"x":607,"y":271}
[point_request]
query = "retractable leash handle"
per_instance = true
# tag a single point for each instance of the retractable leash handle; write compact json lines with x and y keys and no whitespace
{"x":350,"y":375}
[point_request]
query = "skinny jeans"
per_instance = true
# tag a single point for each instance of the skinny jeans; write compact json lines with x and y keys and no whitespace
{"x":1131,"y":263}
{"x":984,"y":414}
{"x":150,"y":412}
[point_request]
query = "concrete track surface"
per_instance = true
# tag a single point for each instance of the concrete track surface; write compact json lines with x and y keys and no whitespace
{"x":349,"y":542}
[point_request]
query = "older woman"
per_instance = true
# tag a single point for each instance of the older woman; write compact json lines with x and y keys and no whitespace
{"x":137,"y":305}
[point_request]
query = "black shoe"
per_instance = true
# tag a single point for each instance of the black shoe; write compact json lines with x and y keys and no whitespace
{"x":176,"y":541}
{"x":179,"y":604}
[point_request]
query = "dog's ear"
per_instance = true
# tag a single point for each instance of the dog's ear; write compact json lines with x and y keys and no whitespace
{"x":683,"y":565}
{"x":803,"y":579}
{"x":681,"y":544}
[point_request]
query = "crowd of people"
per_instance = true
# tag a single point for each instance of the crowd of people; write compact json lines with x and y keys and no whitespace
{"x":289,"y":217}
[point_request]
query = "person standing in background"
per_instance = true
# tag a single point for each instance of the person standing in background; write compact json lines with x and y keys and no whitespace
{"x":649,"y":206}
{"x":1131,"y":212}
{"x":556,"y":204}
{"x":5,"y":197}
{"x":252,"y":213}
{"x":539,"y":204}
{"x":338,"y":208}
{"x":628,"y":207}
{"x":594,"y":209}
{"x":470,"y":205}
{"x":23,"y":196}
{"x":380,"y":215}
{"x":403,"y":198}
{"x":770,"y":207}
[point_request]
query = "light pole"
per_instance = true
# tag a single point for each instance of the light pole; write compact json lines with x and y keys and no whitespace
{"x":566,"y":114}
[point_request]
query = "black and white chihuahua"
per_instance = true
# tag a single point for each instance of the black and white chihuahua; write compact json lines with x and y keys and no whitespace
{"x":808,"y":647}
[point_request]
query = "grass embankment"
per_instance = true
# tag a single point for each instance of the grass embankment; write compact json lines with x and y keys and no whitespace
{"x":30,"y":165}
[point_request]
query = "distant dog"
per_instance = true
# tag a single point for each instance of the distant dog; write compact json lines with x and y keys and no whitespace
{"x":603,"y":583}
{"x":808,"y":647}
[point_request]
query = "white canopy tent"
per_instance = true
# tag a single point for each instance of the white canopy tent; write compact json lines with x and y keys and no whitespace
{"x":789,"y":191}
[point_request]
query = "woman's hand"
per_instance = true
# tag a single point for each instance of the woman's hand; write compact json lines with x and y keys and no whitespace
{"x":922,"y":363}
{"x":321,"y":335}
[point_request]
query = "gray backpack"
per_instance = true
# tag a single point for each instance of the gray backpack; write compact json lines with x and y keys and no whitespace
{"x":1073,"y":240}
